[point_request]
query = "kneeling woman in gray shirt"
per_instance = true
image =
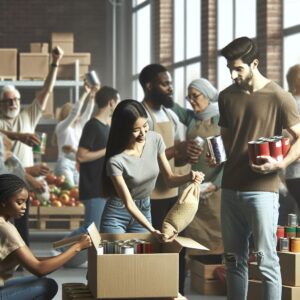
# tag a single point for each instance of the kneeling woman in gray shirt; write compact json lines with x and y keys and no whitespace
{"x":134,"y":157}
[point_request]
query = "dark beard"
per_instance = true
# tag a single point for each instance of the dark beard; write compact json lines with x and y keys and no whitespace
{"x":244,"y":84}
{"x":162,"y":99}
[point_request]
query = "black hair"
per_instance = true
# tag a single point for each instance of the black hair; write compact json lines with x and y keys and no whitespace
{"x":293,"y":78}
{"x":124,"y":116}
{"x":241,"y":48}
{"x":10,"y":185}
{"x":104,"y":95}
{"x":149,"y":73}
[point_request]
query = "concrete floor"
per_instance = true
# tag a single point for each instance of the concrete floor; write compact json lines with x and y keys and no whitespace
{"x":41,"y":244}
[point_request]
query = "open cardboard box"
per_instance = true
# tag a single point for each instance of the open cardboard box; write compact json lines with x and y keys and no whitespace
{"x":151,"y":275}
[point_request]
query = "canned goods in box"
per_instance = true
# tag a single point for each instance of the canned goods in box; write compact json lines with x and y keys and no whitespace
{"x":127,"y":249}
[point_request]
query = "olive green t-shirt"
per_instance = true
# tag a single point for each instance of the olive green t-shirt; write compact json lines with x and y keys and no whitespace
{"x":264,"y":113}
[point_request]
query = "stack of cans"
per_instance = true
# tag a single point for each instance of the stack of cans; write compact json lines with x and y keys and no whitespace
{"x":134,"y":246}
{"x":276,"y":147}
{"x":288,"y":237}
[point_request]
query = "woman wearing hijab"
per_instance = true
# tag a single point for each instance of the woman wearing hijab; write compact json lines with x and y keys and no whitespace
{"x":202,"y":121}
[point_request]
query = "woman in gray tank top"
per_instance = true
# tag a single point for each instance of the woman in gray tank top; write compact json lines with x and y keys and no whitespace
{"x":134,"y":157}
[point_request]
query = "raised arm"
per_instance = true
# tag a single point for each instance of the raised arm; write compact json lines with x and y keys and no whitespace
{"x":43,"y":95}
{"x":85,"y":155}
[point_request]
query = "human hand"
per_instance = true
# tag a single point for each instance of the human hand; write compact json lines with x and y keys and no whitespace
{"x":84,"y":242}
{"x":86,"y":87}
{"x":30,"y":139}
{"x":211,"y":161}
{"x":38,"y":185}
{"x":206,"y":189}
{"x":68,"y":149}
{"x":38,"y":170}
{"x":57,"y":54}
{"x":193,"y":151}
{"x":196,"y":177}
{"x":158,"y":235}
{"x":169,"y":239}
{"x":268,"y":165}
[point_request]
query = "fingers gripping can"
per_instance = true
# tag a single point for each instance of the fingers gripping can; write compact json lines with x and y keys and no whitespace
{"x":41,"y":147}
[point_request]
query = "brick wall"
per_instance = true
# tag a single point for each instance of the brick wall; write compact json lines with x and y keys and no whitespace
{"x":23,"y":22}
{"x":269,"y":38}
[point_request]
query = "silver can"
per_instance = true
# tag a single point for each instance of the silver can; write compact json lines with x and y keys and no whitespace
{"x":100,"y":250}
{"x":127,"y":249}
{"x":92,"y":79}
{"x":216,"y":148}
{"x":199,"y":141}
{"x":292,"y":220}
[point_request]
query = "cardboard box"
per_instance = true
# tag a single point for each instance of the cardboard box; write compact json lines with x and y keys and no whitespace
{"x":290,"y":268}
{"x":8,"y":64}
{"x":205,"y":265}
{"x":39,"y":47}
{"x":150,"y":275}
{"x":65,"y":40}
{"x":288,"y":292}
{"x":207,"y":286}
{"x":34,"y":65}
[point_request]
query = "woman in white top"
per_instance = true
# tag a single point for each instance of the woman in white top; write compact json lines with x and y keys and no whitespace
{"x":13,"y":250}
{"x":68,"y":132}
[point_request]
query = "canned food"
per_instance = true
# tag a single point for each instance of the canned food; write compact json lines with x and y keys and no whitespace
{"x":284,"y":245}
{"x":199,"y":141}
{"x":262,"y":149}
{"x":127,"y":249}
{"x":275,"y":148}
{"x":298,"y":231}
{"x":92,"y":79}
{"x":295,"y":245}
{"x":147,"y":247}
{"x":290,"y":231}
{"x":216,"y":148}
{"x":292,"y":220}
{"x":285,"y":144}
{"x":251,"y":152}
{"x":41,"y":147}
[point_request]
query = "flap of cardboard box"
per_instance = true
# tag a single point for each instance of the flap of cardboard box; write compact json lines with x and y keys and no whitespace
{"x":62,"y":36}
{"x":189,"y":243}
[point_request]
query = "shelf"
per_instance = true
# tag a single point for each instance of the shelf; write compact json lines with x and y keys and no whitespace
{"x":40,"y":83}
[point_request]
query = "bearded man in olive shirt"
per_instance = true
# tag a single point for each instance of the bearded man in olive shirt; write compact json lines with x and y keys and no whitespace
{"x":252,"y":107}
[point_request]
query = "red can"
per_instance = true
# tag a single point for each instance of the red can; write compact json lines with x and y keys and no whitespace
{"x":285,"y":144}
{"x":147,"y":247}
{"x":275,"y":149}
{"x":262,"y":149}
{"x":251,"y":152}
{"x":279,"y":234}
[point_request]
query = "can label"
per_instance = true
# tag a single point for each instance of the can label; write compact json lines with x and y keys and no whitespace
{"x":41,"y":148}
{"x":216,"y":148}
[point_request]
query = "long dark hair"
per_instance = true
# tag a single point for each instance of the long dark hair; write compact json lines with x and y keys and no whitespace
{"x":124,"y":116}
{"x":10,"y":185}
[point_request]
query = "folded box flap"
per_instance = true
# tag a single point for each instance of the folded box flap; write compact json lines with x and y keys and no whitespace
{"x":94,"y":234}
{"x":189,"y":243}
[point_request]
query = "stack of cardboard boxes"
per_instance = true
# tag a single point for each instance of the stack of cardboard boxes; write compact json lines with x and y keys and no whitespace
{"x":8,"y":64}
{"x":203,"y":279}
{"x":35,"y":65}
{"x":290,"y":273}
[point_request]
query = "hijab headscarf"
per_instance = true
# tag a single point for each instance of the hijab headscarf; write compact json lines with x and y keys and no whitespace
{"x":209,"y":91}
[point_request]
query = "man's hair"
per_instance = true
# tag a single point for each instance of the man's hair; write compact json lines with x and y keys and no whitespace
{"x":9,"y":88}
{"x":241,"y":48}
{"x":293,"y":78}
{"x":104,"y":95}
{"x":149,"y":73}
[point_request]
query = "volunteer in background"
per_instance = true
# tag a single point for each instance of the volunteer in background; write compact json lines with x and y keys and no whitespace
{"x":13,"y":250}
{"x":68,"y":132}
{"x":134,"y":157}
{"x":202,"y":121}
{"x":253,"y":106}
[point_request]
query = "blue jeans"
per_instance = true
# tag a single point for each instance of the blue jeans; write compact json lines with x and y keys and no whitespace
{"x":28,"y":288}
{"x":243,"y":214}
{"x":94,"y":208}
{"x":67,"y":167}
{"x":117,"y":219}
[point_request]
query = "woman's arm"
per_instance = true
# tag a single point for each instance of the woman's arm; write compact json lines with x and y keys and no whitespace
{"x":174,"y":180}
{"x":47,"y":265}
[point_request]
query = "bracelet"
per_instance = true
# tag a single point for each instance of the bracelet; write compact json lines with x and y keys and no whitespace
{"x":54,"y":65}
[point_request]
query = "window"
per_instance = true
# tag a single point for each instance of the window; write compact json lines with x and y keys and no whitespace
{"x":187,"y":45}
{"x":235,"y":19}
{"x":141,"y":32}
{"x":291,"y":36}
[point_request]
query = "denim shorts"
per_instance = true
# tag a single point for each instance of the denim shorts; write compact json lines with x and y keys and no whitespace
{"x":117,"y":219}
